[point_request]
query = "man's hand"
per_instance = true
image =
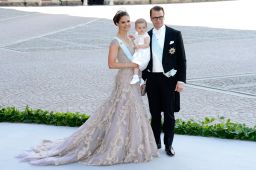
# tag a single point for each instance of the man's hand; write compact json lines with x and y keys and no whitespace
{"x":143,"y":89}
{"x":180,"y":86}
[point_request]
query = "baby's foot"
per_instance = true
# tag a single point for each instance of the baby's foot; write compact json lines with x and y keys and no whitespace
{"x":135,"y":79}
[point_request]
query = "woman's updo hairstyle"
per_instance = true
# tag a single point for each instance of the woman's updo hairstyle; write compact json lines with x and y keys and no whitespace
{"x":119,"y":15}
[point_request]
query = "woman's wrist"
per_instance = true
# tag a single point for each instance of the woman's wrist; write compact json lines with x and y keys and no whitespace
{"x":127,"y":65}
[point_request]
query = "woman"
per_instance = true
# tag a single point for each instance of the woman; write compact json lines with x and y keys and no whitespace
{"x":118,"y":132}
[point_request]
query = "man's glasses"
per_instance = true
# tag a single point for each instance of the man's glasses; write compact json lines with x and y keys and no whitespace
{"x":158,"y":18}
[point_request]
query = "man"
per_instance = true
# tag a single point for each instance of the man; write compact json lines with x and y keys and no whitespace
{"x":165,"y":75}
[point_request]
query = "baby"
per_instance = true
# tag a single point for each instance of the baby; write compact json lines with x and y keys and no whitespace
{"x":141,"y":56}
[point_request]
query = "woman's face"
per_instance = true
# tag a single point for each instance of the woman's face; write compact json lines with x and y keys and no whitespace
{"x":124,"y":23}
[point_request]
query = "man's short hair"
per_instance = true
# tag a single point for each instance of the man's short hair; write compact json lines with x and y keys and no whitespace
{"x":156,"y":8}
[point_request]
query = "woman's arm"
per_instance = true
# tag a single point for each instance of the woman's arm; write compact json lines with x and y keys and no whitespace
{"x":112,"y":63}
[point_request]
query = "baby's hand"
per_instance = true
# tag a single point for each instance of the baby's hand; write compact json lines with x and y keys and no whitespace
{"x":131,"y":37}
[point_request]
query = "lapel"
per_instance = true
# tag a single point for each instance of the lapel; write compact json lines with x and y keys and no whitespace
{"x":150,"y":35}
{"x":150,"y":64}
{"x":168,"y":37}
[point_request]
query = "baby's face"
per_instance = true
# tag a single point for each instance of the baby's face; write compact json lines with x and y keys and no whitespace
{"x":141,"y":28}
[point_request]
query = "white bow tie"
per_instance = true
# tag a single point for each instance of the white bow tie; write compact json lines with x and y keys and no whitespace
{"x":158,"y":32}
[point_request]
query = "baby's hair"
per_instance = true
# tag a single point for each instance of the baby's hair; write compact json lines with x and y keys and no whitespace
{"x":140,"y":21}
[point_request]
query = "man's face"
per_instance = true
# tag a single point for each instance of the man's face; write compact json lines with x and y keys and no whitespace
{"x":157,"y":18}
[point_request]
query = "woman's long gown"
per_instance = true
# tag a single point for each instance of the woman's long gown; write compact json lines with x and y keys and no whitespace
{"x":118,"y":132}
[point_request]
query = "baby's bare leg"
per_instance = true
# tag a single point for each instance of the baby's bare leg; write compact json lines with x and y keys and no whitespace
{"x":136,"y":71}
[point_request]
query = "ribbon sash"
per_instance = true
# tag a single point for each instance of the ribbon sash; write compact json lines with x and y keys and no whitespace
{"x":124,"y":48}
{"x":156,"y":48}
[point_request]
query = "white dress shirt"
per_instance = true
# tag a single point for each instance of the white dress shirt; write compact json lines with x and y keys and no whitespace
{"x":157,"y":62}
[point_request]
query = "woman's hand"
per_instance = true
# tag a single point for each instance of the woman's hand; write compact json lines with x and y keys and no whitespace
{"x":134,"y":65}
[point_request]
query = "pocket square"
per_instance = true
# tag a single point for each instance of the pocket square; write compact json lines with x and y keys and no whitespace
{"x":170,"y":73}
{"x":171,"y":42}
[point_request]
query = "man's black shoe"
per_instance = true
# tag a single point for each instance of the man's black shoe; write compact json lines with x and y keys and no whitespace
{"x":159,"y":146}
{"x":169,"y":151}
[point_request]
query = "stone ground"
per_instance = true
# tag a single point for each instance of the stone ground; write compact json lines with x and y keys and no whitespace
{"x":62,"y":66}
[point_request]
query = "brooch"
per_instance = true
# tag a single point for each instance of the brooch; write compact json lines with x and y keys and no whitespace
{"x":172,"y":50}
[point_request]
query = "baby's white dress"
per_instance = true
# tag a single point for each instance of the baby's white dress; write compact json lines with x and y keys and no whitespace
{"x":141,"y":56}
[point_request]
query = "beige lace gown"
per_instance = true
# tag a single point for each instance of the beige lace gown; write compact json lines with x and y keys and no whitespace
{"x":118,"y":132}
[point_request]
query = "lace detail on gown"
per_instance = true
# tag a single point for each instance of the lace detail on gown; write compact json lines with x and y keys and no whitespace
{"x":118,"y":132}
